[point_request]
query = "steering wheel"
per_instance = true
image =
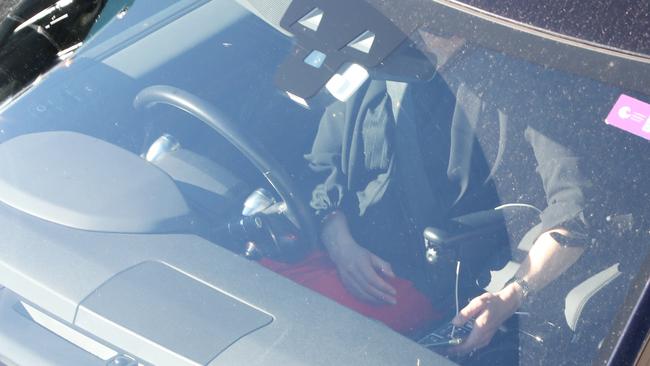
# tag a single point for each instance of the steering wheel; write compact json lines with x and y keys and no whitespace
{"x":255,"y":153}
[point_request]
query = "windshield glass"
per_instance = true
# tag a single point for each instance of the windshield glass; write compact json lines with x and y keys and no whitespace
{"x":478,"y":189}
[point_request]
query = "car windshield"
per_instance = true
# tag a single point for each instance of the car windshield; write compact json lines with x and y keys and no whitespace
{"x":477,"y":187}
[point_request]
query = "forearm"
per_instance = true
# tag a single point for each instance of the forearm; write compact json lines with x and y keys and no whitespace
{"x":335,"y":233}
{"x":547,"y":260}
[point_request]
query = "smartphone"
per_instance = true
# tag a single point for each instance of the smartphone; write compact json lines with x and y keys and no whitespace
{"x":447,"y":335}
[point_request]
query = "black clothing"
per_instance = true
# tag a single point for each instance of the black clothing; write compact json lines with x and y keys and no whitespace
{"x":463,"y":142}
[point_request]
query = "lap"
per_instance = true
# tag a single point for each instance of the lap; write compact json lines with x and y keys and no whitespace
{"x":412,"y":312}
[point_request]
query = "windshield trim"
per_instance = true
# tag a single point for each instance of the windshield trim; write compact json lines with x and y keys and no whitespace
{"x":545,"y":33}
{"x":618,"y":69}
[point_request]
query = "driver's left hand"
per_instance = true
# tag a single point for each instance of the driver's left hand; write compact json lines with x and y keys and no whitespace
{"x":490,"y":311}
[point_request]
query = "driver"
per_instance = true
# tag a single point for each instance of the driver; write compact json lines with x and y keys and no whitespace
{"x":392,"y":164}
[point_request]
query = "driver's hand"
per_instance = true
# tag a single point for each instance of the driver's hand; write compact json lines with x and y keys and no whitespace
{"x":364,"y":274}
{"x":490,"y":311}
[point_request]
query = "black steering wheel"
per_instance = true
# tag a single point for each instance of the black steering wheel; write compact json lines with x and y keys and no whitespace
{"x":255,"y":153}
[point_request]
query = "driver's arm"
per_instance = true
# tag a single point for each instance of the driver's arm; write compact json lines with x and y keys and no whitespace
{"x":546,"y":260}
{"x":363,"y":273}
{"x":565,"y":234}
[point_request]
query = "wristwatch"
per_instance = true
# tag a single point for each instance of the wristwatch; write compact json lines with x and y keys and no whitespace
{"x":523,"y":284}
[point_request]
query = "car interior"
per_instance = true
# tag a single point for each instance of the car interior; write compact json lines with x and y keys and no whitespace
{"x":172,"y":152}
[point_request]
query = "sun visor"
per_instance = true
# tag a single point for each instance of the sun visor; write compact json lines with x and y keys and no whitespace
{"x":332,"y":35}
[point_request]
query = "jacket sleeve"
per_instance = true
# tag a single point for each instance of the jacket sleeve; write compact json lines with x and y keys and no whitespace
{"x":565,"y":188}
{"x":352,"y":151}
{"x":325,"y":160}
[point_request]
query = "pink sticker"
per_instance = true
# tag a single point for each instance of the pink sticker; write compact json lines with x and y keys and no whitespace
{"x":631,"y":115}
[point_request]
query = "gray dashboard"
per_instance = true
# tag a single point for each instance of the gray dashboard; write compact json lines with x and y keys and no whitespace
{"x":85,"y":183}
{"x":174,"y":298}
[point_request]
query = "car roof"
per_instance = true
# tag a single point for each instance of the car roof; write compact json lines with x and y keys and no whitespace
{"x":620,"y":24}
